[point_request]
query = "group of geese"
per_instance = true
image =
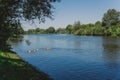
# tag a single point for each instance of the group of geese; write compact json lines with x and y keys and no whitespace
{"x":36,"y":50}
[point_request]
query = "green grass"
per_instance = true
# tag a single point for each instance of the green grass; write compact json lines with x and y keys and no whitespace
{"x":12,"y":67}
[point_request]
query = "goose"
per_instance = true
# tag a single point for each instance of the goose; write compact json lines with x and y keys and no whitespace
{"x":47,"y":48}
{"x":35,"y":50}
{"x":29,"y":51}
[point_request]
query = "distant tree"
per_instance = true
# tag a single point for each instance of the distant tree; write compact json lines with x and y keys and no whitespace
{"x":111,"y":18}
{"x":51,"y":30}
{"x":37,"y":30}
{"x":76,"y":25}
{"x":98,"y":29}
{"x":98,"y":23}
{"x":61,"y":31}
{"x":69,"y":29}
{"x":13,"y":11}
{"x":42,"y":31}
{"x":30,"y":31}
{"x":90,"y":25}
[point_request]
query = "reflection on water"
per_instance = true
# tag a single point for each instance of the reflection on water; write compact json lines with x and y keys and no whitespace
{"x":28,"y":42}
{"x":15,"y":41}
{"x":111,"y":52}
{"x":73,"y":57}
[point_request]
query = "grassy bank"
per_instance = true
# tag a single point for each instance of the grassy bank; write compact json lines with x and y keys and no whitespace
{"x":12,"y":67}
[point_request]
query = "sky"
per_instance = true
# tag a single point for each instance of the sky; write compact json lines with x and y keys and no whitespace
{"x":69,"y":11}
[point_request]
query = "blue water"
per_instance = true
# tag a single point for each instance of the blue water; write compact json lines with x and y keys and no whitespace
{"x":72,"y":57}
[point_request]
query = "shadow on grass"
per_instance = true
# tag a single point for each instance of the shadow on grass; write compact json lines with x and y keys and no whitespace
{"x":17,"y":69}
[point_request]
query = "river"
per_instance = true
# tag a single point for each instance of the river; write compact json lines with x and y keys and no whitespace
{"x":69,"y":57}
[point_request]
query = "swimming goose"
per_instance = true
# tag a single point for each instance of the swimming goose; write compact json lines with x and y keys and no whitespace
{"x":29,"y":51}
{"x":47,"y":48}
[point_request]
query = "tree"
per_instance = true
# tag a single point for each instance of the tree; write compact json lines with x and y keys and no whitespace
{"x":111,"y":18}
{"x":98,"y":24}
{"x":13,"y":11}
{"x":69,"y":29}
{"x":51,"y":30}
{"x":37,"y":30}
{"x":16,"y":30}
{"x":77,"y":25}
{"x":61,"y":31}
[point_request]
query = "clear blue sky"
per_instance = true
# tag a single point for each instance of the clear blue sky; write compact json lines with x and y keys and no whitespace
{"x":69,"y":11}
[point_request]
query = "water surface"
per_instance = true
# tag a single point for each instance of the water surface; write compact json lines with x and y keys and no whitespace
{"x":72,"y":57}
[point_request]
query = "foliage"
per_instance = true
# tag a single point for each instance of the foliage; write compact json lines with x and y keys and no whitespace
{"x":111,"y":18}
{"x":61,"y":31}
{"x":76,"y":26}
{"x":69,"y":29}
{"x":50,"y":30}
{"x":13,"y":11}
{"x":96,"y":29}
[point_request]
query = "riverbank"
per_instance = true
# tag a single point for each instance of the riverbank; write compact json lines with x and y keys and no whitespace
{"x":12,"y":67}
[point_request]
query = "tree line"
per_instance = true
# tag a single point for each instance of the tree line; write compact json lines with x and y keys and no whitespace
{"x":108,"y":26}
